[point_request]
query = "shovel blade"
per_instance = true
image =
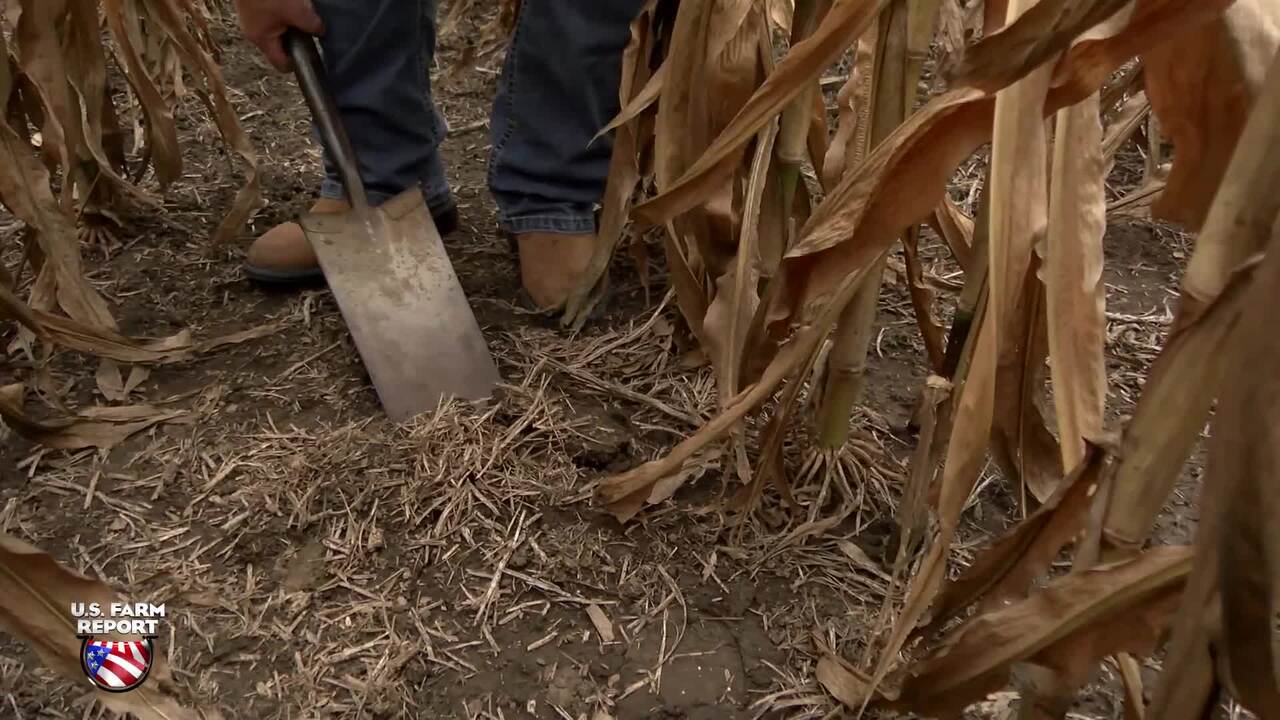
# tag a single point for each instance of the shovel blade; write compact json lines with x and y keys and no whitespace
{"x":403,"y":304}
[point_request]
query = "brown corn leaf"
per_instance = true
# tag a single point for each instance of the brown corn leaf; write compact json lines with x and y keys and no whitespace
{"x":1027,"y":452}
{"x":676,"y":133}
{"x":1007,"y":568}
{"x":975,"y":410}
{"x":235,"y":338}
{"x":36,"y":593}
{"x":906,"y":176}
{"x":684,"y":273}
{"x":1186,"y":690}
{"x":968,"y":123}
{"x":1069,"y":625}
{"x":113,"y":385}
{"x":109,"y":344}
{"x":956,"y":230}
{"x":1185,"y":377}
{"x":1018,"y":195}
{"x":110,"y":382}
{"x":200,"y":64}
{"x":1246,"y":447}
{"x":801,"y":66}
{"x":922,"y":300}
{"x":994,"y":13}
{"x":1072,"y":275}
{"x":25,"y":190}
{"x":912,"y":515}
{"x":100,"y":427}
{"x":1170,"y":415}
{"x":1151,"y":23}
{"x":643,"y":100}
{"x":736,"y":300}
{"x":1201,"y":88}
{"x":900,"y":183}
{"x":1018,"y":220}
{"x":965,"y":455}
{"x":727,"y":23}
{"x":1044,"y":30}
{"x":845,"y":682}
{"x":833,"y":165}
{"x":715,"y":50}
{"x":780,"y":12}
{"x":40,"y":56}
{"x":162,"y":134}
{"x":86,"y":74}
{"x":137,"y":375}
{"x":1245,"y":200}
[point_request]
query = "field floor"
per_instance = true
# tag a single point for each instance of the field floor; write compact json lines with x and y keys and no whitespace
{"x":319,"y":562}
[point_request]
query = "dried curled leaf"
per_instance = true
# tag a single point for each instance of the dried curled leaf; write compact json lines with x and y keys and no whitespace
{"x":1072,"y":275}
{"x":36,"y":593}
{"x":98,"y":427}
{"x":1043,"y":31}
{"x":1069,"y":625}
{"x":1010,"y":565}
{"x":846,"y":19}
{"x":60,"y":52}
{"x":1201,"y":88}
{"x":1186,"y":376}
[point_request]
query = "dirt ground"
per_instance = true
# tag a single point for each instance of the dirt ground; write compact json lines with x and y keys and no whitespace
{"x":319,"y":562}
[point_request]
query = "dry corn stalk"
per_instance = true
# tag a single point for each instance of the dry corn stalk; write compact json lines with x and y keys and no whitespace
{"x":60,"y":117}
{"x":67,"y":122}
{"x":1035,"y":281}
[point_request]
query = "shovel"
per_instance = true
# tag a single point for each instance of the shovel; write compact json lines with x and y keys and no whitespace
{"x":388,"y":270}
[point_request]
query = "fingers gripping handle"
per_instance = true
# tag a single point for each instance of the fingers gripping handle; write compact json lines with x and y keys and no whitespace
{"x":308,"y":66}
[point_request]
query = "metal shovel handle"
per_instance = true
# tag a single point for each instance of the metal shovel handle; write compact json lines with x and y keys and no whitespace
{"x":308,"y":66}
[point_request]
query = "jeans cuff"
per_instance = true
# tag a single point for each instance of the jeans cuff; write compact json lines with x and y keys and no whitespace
{"x":565,"y":224}
{"x":436,"y":202}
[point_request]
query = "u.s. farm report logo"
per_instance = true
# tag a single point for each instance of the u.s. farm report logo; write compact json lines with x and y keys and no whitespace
{"x":112,"y":664}
{"x":116,"y":666}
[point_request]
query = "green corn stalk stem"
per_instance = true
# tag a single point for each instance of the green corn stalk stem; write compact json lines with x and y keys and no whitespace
{"x":847,"y":359}
{"x":793,"y":127}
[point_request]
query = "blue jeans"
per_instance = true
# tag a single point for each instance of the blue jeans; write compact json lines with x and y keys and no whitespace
{"x":559,"y":87}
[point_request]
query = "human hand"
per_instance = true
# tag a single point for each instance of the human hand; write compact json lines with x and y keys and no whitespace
{"x":265,"y":21}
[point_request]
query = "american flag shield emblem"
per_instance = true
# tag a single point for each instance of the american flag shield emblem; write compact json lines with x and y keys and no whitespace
{"x":116,"y":666}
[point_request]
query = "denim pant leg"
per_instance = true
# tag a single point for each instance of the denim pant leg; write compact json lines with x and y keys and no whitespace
{"x":378,"y":56}
{"x":559,"y":88}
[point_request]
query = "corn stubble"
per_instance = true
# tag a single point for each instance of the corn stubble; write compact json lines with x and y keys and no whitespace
{"x":711,"y":160}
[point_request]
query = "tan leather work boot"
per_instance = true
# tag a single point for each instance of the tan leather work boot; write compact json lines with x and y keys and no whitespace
{"x":552,"y":264}
{"x":283,"y":256}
